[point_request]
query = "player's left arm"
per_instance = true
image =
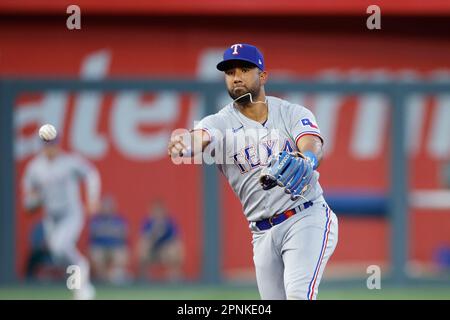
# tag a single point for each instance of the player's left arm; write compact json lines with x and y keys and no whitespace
{"x":311,"y":146}
{"x":297,"y":176}
{"x":295,"y":170}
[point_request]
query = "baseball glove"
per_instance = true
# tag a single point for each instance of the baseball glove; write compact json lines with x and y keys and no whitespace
{"x":292,"y":171}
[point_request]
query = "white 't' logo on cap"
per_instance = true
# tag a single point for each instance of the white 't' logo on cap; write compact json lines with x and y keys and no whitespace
{"x":235,"y":47}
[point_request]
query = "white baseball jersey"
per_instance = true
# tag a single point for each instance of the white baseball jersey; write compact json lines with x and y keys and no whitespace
{"x":244,"y":146}
{"x":56,"y":181}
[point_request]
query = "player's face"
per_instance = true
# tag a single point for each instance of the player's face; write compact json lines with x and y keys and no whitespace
{"x":243,"y":78}
{"x":51,"y":150}
{"x":157,"y":210}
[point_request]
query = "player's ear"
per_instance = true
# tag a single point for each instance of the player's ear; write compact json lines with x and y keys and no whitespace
{"x":263,"y":76}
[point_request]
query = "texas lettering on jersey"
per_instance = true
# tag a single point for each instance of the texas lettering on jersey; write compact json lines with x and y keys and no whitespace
{"x":254,"y":156}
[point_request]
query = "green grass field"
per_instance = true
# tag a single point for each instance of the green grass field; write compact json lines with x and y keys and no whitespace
{"x":195,"y":292}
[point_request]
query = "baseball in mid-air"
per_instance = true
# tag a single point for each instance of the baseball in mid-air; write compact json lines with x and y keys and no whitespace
{"x":47,"y":132}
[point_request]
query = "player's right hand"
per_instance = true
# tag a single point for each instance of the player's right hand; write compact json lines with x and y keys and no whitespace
{"x":177,"y":146}
{"x":33,"y":202}
{"x":187,"y":143}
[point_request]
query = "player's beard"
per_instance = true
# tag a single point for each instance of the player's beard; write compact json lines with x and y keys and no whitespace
{"x":243,"y":92}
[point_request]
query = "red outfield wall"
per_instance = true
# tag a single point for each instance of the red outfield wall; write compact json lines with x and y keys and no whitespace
{"x":139,"y":172}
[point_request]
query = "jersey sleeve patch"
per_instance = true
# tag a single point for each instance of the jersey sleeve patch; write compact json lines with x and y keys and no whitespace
{"x":306,"y":122}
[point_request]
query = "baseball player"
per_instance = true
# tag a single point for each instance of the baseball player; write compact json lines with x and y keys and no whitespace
{"x":269,"y":150}
{"x":51,"y":180}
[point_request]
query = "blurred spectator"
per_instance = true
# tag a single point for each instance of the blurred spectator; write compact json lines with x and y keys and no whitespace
{"x":442,"y":257}
{"x":160,"y":243}
{"x":442,"y":254}
{"x":108,"y":243}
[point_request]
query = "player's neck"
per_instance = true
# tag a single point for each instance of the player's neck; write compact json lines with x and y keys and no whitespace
{"x":255,"y":111}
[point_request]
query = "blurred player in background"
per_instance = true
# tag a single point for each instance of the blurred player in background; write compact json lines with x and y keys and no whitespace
{"x":51,"y":181}
{"x":108,"y":232}
{"x":269,"y":150}
{"x":160,"y":243}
